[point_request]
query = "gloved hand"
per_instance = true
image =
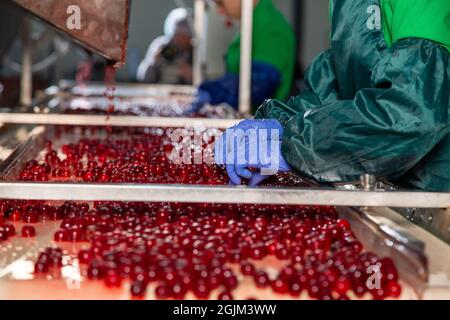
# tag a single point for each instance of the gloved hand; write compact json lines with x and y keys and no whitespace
{"x":203,"y":97}
{"x":252,"y":150}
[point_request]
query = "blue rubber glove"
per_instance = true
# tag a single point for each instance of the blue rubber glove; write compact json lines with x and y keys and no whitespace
{"x":203,"y":97}
{"x":252,"y":144}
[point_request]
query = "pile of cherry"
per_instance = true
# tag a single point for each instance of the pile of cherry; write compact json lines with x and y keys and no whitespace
{"x":137,"y":157}
{"x":207,"y":250}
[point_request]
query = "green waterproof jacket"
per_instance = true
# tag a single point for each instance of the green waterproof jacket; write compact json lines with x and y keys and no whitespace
{"x":378,"y":101}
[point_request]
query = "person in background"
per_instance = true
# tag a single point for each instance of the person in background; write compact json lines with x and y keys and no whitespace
{"x":273,"y":58}
{"x":169,"y":57}
{"x":377,"y":102}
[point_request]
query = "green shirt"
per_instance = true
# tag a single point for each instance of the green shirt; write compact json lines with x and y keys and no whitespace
{"x":426,"y":19}
{"x":273,"y":43}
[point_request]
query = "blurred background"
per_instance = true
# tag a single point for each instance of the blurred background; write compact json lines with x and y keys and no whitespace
{"x":55,"y":58}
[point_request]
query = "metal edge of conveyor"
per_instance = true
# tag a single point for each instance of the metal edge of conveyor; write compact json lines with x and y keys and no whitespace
{"x":114,"y":121}
{"x":12,"y":165}
{"x":188,"y":193}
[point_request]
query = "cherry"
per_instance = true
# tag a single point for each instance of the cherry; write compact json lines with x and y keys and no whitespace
{"x":30,"y":217}
{"x":84,"y":256}
{"x":393,"y":289}
{"x":342,"y":286}
{"x":14,"y":214}
{"x":248,"y":269}
{"x":343,"y":224}
{"x":10,"y":230}
{"x":61,"y":236}
{"x":262,"y":279}
{"x":113,"y":280}
{"x":279,"y":286}
{"x":3,"y":235}
{"x":295,"y":289}
{"x":28,"y":232}
{"x":202,"y":290}
{"x":95,"y":271}
{"x":162,"y":292}
{"x":225,"y":295}
{"x":138,"y":289}
{"x":178,"y":291}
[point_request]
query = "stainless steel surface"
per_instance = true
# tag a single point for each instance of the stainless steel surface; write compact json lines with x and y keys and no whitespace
{"x":122,"y":89}
{"x":436,"y":251}
{"x":103,"y":23}
{"x":26,"y":75}
{"x":113,"y":121}
{"x":436,"y":221}
{"x":191,"y":194}
{"x":407,"y":252}
{"x":199,"y":41}
{"x":245,"y":82}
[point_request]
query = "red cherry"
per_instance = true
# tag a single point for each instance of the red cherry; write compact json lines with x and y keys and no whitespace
{"x":343,"y":224}
{"x":295,"y":289}
{"x":179,"y":291}
{"x":85,"y":256}
{"x":342,"y":286}
{"x":31,"y":217}
{"x":14,"y":215}
{"x":248,"y":269}
{"x":279,"y":286}
{"x":225,"y":296}
{"x":3,"y":235}
{"x":202,"y":290}
{"x":95,"y":271}
{"x":113,"y":280}
{"x":162,"y":292}
{"x":393,"y":289}
{"x":10,"y":230}
{"x":138,"y":289}
{"x":61,"y":236}
{"x":28,"y":232}
{"x":262,"y":279}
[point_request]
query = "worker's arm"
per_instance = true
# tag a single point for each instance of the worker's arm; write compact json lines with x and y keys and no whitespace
{"x":321,"y":88}
{"x":385,"y":130}
{"x":265,"y":81}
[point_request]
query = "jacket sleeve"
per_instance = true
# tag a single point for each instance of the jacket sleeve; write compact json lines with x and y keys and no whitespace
{"x":385,"y":130}
{"x":265,"y":81}
{"x":321,"y":88}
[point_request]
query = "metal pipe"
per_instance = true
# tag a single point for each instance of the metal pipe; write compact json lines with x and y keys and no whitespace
{"x":220,"y":194}
{"x":245,"y":82}
{"x":113,"y":121}
{"x":26,"y":76}
{"x":199,"y":41}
